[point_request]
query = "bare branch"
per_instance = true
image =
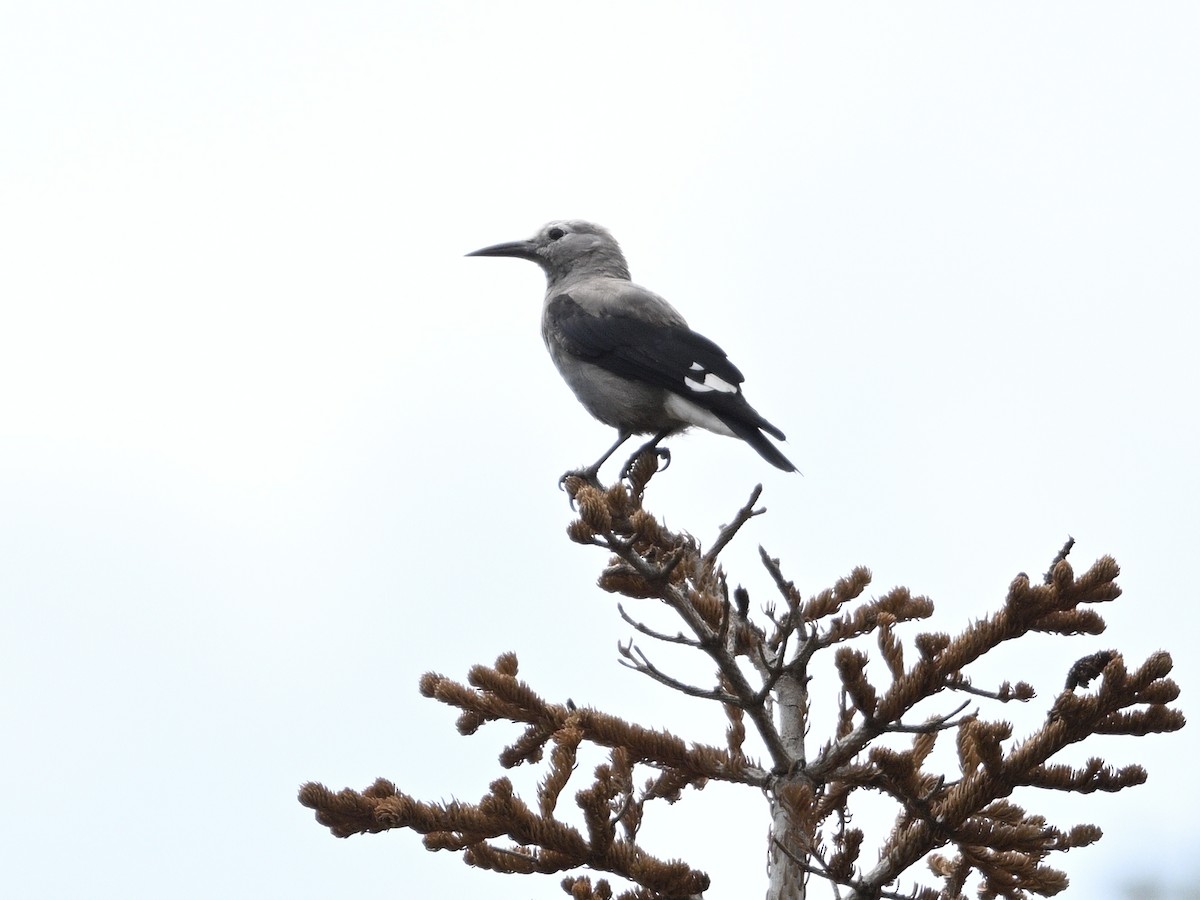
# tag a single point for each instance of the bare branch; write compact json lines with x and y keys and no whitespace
{"x":677,"y":638}
{"x":634,"y":658}
{"x":744,"y":515}
{"x":1007,"y":692}
{"x":937,"y":723}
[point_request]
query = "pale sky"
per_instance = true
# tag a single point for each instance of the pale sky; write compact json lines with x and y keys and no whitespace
{"x":271,"y":448}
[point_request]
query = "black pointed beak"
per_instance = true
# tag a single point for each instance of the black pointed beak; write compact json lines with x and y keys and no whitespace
{"x":517,"y":249}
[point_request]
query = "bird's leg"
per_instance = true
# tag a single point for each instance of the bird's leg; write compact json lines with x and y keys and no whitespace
{"x":591,"y":473}
{"x":662,"y":452}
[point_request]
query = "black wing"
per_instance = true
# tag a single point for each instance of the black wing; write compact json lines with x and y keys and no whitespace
{"x":668,"y":356}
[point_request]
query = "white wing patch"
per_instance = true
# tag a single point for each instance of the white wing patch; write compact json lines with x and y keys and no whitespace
{"x":711,"y":382}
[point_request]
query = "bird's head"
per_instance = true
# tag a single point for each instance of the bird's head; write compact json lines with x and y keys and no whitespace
{"x":565,"y":248}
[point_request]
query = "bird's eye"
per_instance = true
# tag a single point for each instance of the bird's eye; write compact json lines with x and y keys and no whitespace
{"x":555,"y":233}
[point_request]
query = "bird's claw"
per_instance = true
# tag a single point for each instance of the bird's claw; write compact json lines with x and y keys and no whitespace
{"x":660,"y":453}
{"x":588,"y":476}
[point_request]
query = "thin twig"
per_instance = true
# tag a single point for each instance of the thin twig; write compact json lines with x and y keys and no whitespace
{"x":938,"y":723}
{"x":961,"y":684}
{"x":744,"y":515}
{"x":678,"y":638}
{"x":781,"y":583}
{"x":642,"y":664}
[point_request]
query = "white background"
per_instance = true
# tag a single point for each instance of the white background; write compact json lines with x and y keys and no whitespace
{"x":270,"y":448}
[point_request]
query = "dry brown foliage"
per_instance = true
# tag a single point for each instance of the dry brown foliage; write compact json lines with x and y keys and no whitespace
{"x":961,"y":823}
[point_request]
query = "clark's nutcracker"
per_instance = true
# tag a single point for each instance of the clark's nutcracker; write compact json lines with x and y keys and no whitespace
{"x":628,"y":355}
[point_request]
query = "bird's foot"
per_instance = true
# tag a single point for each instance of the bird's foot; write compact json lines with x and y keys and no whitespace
{"x":573,"y":479}
{"x":644,"y":464}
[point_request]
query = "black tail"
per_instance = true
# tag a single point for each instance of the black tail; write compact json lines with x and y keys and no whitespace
{"x":751,"y":434}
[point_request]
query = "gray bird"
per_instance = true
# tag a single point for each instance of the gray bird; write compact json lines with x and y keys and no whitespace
{"x":628,"y":355}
